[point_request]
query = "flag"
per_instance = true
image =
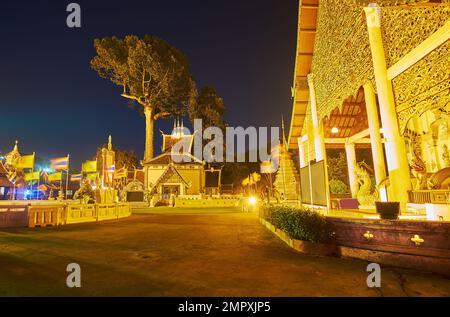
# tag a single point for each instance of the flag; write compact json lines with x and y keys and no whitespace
{"x":26,"y":161}
{"x":89,"y":167}
{"x":76,"y":177}
{"x":92,"y":176}
{"x":55,"y":177}
{"x":32,"y":176}
{"x":111,"y":169}
{"x":122,"y":173}
{"x":60,"y":163}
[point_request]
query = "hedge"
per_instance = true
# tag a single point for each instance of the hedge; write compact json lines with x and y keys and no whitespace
{"x":300,"y":223}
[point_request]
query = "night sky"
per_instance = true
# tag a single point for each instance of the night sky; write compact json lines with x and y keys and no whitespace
{"x":55,"y":104}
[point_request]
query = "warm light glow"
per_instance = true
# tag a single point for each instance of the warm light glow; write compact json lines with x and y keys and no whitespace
{"x":381,"y":130}
{"x":252,"y":200}
{"x":334,"y":130}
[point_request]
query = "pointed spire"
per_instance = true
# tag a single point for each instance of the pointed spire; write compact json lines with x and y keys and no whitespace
{"x":182,"y":127}
{"x":110,"y":142}
{"x":16,"y":146}
{"x":282,"y":129}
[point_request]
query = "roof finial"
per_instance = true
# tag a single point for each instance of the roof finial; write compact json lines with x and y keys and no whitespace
{"x":16,"y":147}
{"x":110,"y":142}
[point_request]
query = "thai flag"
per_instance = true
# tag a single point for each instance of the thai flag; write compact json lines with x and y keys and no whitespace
{"x":60,"y":163}
{"x":111,"y":169}
{"x":76,"y":177}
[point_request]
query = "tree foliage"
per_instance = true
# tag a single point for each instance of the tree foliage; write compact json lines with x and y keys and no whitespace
{"x":337,"y":167}
{"x":150,"y":71}
{"x":209,"y":107}
{"x":123,"y":158}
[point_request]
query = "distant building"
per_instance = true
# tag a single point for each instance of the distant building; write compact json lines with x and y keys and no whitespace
{"x":5,"y":185}
{"x":173,"y":173}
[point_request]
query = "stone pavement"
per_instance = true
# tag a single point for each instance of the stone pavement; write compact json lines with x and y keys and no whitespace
{"x":173,"y":252}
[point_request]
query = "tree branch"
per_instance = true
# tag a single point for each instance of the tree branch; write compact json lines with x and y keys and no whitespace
{"x":138,"y":100}
{"x":160,"y":115}
{"x":161,"y":83}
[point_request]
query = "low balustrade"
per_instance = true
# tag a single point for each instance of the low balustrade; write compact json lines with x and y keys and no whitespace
{"x":46,"y":215}
{"x":77,"y":213}
{"x":56,"y":214}
{"x":106,"y":212}
{"x":432,"y":196}
{"x":13,"y":216}
{"x":123,"y":210}
{"x":214,"y":201}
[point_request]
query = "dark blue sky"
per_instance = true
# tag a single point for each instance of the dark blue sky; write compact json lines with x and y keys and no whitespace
{"x":55,"y":104}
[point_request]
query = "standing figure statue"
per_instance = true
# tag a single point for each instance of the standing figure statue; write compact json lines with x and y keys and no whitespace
{"x":366,"y":195}
{"x":417,"y":165}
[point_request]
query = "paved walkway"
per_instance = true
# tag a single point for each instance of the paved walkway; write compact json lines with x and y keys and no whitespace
{"x":223,"y":253}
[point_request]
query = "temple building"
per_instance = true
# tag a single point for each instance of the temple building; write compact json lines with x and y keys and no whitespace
{"x":5,"y":184}
{"x":287,"y":180}
{"x":14,"y":174}
{"x":373,"y":77}
{"x":165,"y":176}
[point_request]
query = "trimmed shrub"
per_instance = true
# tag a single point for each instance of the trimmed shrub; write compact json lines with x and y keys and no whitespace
{"x":338,"y":187}
{"x":301,"y":223}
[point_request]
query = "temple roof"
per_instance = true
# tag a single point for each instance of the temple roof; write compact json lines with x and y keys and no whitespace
{"x":170,"y":140}
{"x":4,"y":181}
{"x":307,"y":20}
{"x":13,"y":157}
{"x":171,"y":169}
{"x":168,"y":157}
{"x":3,"y":170}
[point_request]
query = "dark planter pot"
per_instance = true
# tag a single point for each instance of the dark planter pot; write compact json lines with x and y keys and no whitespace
{"x":388,"y":210}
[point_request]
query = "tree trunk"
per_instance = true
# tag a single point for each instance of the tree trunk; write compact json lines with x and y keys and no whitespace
{"x":148,"y":133}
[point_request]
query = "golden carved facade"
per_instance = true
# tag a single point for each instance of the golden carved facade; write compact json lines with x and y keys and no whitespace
{"x":342,"y":61}
{"x":426,"y":85}
{"x":404,"y":28}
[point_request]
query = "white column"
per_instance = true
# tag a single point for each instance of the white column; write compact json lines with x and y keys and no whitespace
{"x":301,"y":152}
{"x":374,"y":130}
{"x":351,"y":165}
{"x":318,"y":142}
{"x":399,"y":173}
{"x":325,"y":163}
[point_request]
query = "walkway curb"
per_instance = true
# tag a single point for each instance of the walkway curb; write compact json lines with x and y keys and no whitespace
{"x":423,"y":263}
{"x":318,"y":249}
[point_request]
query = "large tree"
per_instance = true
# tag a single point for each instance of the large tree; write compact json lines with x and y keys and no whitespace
{"x":151,"y":73}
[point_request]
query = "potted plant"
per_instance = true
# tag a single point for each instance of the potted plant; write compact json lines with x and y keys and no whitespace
{"x":388,"y":210}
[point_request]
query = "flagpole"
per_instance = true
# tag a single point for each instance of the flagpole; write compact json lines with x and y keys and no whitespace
{"x":31,"y":184}
{"x":67,"y":176}
{"x":39,"y":180}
